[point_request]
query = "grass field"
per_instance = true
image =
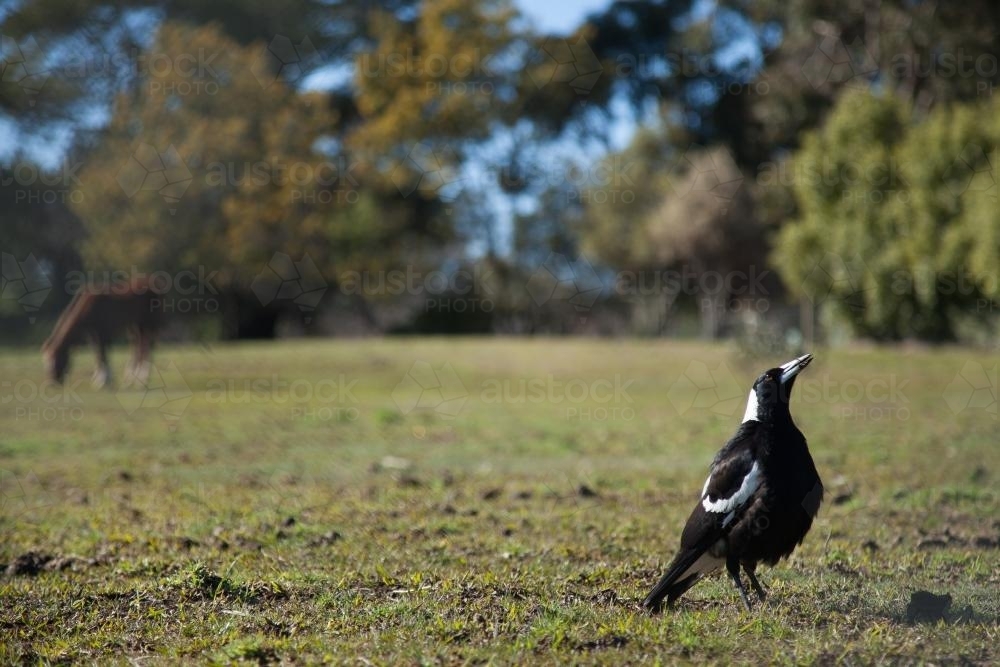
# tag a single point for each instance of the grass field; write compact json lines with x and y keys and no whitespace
{"x":467,"y":501}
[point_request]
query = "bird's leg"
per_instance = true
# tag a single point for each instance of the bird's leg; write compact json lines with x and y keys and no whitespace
{"x":757,"y":588}
{"x":733,"y":565}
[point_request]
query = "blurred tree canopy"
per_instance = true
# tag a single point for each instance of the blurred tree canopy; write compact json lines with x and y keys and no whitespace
{"x":899,"y":230}
{"x":704,"y":138}
{"x":265,"y":179}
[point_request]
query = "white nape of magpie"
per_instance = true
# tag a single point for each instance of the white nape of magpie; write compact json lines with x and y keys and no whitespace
{"x":759,"y":500}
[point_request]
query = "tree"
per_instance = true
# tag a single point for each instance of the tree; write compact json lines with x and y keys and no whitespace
{"x":899,"y":232}
{"x":679,"y":224}
{"x":439,"y":77}
{"x":707,"y":226}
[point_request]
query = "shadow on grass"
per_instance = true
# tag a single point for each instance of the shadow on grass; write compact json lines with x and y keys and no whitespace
{"x":922,"y":608}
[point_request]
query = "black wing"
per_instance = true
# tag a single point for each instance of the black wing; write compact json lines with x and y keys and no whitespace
{"x":727,"y":477}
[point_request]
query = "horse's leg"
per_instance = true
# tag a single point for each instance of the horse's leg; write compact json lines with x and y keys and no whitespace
{"x":144,"y":344}
{"x":102,"y":376}
{"x":147,"y":359}
{"x":132,"y":369}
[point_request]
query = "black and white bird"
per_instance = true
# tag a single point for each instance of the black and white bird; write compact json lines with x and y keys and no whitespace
{"x":759,"y":500}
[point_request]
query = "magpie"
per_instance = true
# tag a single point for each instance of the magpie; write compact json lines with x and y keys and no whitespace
{"x":759,"y":500}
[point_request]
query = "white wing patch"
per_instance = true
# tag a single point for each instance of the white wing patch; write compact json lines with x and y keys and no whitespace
{"x":751,"y":414}
{"x":750,"y":484}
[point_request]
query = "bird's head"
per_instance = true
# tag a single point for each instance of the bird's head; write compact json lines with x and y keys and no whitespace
{"x":771,"y":392}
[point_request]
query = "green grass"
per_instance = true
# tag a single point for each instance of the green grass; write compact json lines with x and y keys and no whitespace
{"x":338,"y":524}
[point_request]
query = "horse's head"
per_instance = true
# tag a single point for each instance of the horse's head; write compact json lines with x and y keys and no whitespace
{"x":56,"y":361}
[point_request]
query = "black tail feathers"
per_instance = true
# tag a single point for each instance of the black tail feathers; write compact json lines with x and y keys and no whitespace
{"x":672,"y":586}
{"x":671,"y":590}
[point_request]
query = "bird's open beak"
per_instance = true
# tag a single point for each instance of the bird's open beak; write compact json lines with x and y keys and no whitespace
{"x":792,"y":368}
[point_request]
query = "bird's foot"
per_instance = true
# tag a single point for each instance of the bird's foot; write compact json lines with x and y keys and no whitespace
{"x":733,"y":566}
{"x":757,"y":588}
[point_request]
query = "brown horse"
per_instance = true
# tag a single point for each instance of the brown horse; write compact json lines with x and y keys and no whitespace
{"x":100,"y":313}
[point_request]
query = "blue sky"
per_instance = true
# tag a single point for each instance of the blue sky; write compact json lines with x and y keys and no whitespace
{"x":559,"y":16}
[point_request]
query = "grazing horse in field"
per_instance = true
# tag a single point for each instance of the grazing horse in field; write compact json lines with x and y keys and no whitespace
{"x":100,"y":313}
